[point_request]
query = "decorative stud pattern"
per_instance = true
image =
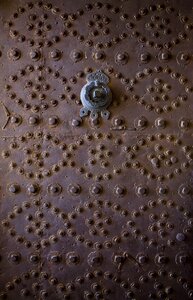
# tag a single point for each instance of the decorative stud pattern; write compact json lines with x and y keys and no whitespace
{"x":94,"y":208}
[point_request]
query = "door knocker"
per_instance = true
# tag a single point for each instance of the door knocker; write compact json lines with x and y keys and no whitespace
{"x":96,"y":96}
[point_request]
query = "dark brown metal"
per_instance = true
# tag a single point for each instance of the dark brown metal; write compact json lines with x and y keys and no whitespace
{"x":95,"y":208}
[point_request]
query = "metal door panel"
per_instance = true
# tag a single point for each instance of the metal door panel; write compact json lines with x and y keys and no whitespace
{"x":96,"y":208}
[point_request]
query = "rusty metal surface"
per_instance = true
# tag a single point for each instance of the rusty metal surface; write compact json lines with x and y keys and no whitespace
{"x":96,"y":208}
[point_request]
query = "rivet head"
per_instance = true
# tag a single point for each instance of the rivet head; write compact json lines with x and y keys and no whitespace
{"x":76,"y":122}
{"x":140,"y":122}
{"x":76,"y":55}
{"x":182,"y":258}
{"x":53,"y":121}
{"x":184,"y":123}
{"x":74,"y":189}
{"x":16,"y":120}
{"x":118,"y":258}
{"x":119,"y":190}
{"x":142,"y":190}
{"x":160,"y":123}
{"x":142,"y":259}
{"x":161,"y":259}
{"x":99,"y":55}
{"x":14,"y":54}
{"x":190,"y":294}
{"x":118,"y":121}
{"x":96,"y":189}
{"x":184,"y":190}
{"x":94,"y":121}
{"x":14,"y":257}
{"x":55,"y":257}
{"x":145,"y":57}
{"x":55,"y":54}
{"x":44,"y":294}
{"x":183,"y":58}
{"x":25,"y":292}
{"x":14,"y":188}
{"x":72,"y":258}
{"x":32,"y":189}
{"x":35,"y":55}
{"x":121,"y":58}
{"x":180,"y":237}
{"x":33,"y":120}
{"x":95,"y":259}
{"x":34,"y":258}
{"x":54,"y":189}
{"x":162,"y":190}
{"x":164,"y":55}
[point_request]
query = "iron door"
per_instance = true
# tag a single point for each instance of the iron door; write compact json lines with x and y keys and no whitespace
{"x":96,"y":149}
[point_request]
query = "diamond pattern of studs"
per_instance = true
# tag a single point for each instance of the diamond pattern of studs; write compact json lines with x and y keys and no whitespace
{"x":96,"y":209}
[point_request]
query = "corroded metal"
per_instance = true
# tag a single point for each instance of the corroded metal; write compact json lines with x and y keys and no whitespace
{"x":96,"y":96}
{"x":95,"y":208}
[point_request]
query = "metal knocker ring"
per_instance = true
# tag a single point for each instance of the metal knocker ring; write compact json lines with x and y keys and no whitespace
{"x":96,"y":96}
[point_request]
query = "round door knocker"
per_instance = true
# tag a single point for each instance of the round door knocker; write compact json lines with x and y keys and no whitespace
{"x":96,"y":96}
